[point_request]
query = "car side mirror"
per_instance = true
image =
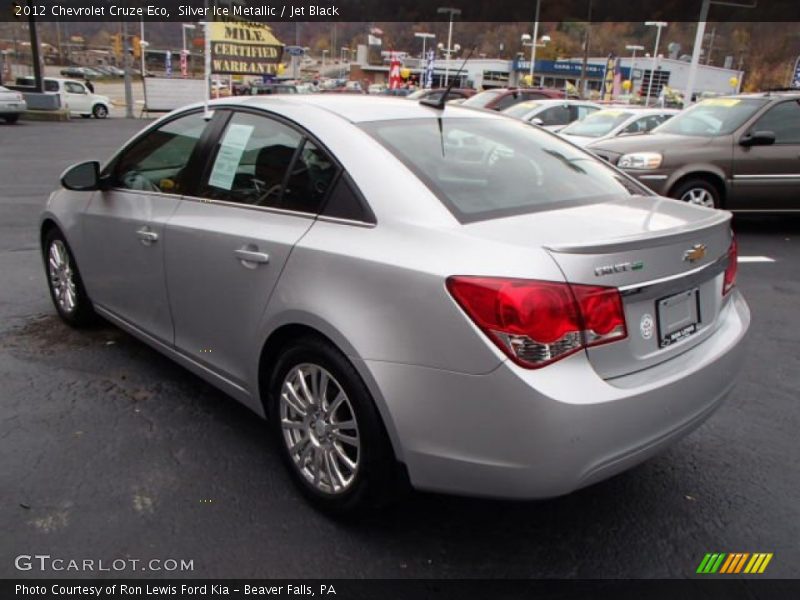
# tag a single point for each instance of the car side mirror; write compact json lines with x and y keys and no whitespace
{"x":757,"y":138}
{"x":83,"y":177}
{"x":537,"y":121}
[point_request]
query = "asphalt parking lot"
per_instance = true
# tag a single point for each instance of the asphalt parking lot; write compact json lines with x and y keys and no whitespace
{"x":111,"y":451}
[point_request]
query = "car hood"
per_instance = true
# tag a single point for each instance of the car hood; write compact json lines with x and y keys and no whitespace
{"x":650,"y":142}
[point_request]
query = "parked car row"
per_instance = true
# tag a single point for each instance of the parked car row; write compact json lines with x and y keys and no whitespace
{"x":95,"y":72}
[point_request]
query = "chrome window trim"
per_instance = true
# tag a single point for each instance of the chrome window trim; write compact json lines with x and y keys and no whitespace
{"x":269,"y":209}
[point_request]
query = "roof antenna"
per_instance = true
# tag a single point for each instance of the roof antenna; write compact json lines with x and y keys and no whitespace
{"x":440,"y":103}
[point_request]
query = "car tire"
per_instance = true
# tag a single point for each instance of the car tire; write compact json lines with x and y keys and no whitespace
{"x":11,"y":119}
{"x":64,"y":282}
{"x":356,"y":457}
{"x":100,"y":111}
{"x":697,"y":191}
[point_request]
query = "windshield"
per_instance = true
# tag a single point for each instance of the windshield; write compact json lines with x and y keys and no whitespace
{"x":712,"y":117}
{"x":597,"y":124}
{"x":521,"y":109}
{"x":490,"y":168}
{"x":481,"y":99}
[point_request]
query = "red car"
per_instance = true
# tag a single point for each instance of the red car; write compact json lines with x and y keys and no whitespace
{"x":502,"y":98}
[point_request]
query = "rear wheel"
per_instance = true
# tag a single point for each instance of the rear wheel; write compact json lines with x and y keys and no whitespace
{"x":100,"y":111}
{"x":697,"y":191}
{"x":65,"y":283}
{"x":328,"y":429}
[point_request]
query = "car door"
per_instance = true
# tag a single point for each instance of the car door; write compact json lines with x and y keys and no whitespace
{"x":263,"y":186}
{"x":124,"y":224}
{"x":768,"y":177}
{"x":77,"y":98}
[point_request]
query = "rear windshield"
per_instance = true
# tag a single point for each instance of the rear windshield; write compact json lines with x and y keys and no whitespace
{"x":597,"y":124}
{"x":481,"y":99}
{"x":521,"y":109}
{"x":712,"y":117}
{"x":490,"y":168}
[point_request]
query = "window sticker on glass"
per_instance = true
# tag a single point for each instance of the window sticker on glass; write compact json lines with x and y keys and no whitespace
{"x":230,"y":153}
{"x":720,"y":102}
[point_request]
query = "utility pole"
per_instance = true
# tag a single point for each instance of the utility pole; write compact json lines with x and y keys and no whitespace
{"x":37,"y":66}
{"x":586,"y":37}
{"x":712,"y":35}
{"x":126,"y":62}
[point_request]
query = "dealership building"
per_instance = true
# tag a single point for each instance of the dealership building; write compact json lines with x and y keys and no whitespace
{"x":484,"y":73}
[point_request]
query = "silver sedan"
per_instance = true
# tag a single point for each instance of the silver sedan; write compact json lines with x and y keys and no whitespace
{"x":409,"y":294}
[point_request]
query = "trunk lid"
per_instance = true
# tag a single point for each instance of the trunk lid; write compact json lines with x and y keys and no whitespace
{"x":666,"y":257}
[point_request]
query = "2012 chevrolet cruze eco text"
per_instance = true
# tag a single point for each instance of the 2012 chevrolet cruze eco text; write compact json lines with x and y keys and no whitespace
{"x":439,"y":295}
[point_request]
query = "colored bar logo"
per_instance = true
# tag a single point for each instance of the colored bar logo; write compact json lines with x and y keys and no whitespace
{"x":733,"y":563}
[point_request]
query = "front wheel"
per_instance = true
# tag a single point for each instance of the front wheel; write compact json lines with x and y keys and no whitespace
{"x":698,"y":191}
{"x":10,"y":119}
{"x":65,"y":283}
{"x":329,"y":431}
{"x":100,"y":111}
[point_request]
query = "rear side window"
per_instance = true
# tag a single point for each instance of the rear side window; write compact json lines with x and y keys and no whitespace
{"x":262,"y":162}
{"x":555,"y":115}
{"x":345,"y":202}
{"x":488,"y":168}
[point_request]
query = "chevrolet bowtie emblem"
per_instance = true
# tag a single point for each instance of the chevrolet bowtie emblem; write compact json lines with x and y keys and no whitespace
{"x":695,"y":253}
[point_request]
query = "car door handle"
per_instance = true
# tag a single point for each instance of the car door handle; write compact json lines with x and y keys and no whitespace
{"x":251,"y":256}
{"x":147,"y":235}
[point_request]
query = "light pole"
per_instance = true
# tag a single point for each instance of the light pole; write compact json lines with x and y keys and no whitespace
{"x":324,"y":52}
{"x":659,"y":25}
{"x":526,"y":41}
{"x":453,"y":12}
{"x":533,"y":40}
{"x":634,"y":49}
{"x":425,"y":37}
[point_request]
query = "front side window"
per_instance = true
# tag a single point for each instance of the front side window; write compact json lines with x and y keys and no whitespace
{"x":74,"y":88}
{"x":252,"y":161}
{"x":783,"y":120}
{"x":490,"y":168}
{"x":156,"y":161}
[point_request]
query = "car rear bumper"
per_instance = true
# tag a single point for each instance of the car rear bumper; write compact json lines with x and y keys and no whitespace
{"x":12,"y":108}
{"x":518,"y":433}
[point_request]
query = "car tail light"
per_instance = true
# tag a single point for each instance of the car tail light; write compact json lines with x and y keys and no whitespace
{"x":538,"y":322}
{"x":730,"y":271}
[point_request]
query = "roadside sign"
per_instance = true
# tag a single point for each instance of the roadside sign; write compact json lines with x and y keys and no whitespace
{"x":294,"y":50}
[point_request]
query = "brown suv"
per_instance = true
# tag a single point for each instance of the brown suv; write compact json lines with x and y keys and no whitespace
{"x":740,"y":153}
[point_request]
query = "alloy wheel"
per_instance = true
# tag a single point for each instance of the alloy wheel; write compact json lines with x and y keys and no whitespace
{"x":700,"y":196}
{"x":62,"y":278}
{"x":320,"y":429}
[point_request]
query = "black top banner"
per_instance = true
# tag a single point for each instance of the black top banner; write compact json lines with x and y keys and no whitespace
{"x":399,"y":10}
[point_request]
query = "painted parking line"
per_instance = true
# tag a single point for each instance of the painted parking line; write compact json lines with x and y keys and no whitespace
{"x":756,"y":259}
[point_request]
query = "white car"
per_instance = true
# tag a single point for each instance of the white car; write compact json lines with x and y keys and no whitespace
{"x":552,"y":114}
{"x":75,"y":96}
{"x":12,"y":105}
{"x":613,"y":121}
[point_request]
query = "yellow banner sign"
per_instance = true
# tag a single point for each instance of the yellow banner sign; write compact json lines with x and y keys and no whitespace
{"x":244,"y":48}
